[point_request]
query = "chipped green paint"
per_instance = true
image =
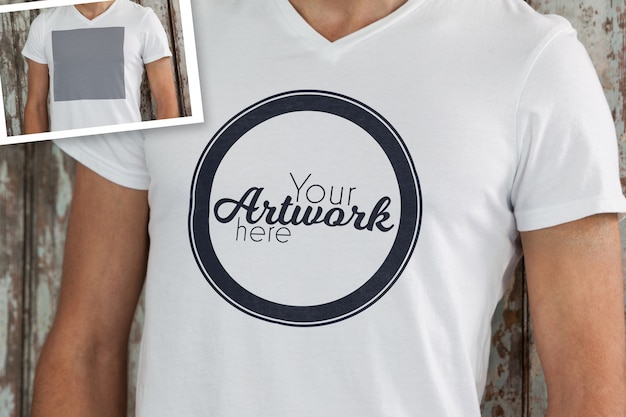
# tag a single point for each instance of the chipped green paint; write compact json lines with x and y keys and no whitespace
{"x":505,"y":383}
{"x":11,"y":278}
{"x":7,"y":402}
{"x":5,"y":300}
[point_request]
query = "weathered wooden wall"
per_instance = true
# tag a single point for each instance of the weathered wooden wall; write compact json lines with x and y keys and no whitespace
{"x":35,"y":190}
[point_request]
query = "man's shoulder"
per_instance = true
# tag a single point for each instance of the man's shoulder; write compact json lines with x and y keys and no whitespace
{"x":509,"y":33}
{"x":49,"y":14}
{"x":506,"y":20}
{"x":521,"y":18}
{"x":48,"y":19}
{"x":135,"y":9}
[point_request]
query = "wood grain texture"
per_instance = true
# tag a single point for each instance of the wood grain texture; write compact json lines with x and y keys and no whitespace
{"x":12,"y":278}
{"x":50,"y":191}
{"x":180,"y":56}
{"x":13,"y":33}
{"x":506,"y":378}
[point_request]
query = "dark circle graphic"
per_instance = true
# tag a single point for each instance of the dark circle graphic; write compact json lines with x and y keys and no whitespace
{"x":381,"y":280}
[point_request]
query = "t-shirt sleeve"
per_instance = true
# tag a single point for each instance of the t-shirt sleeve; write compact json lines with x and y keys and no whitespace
{"x":118,"y":157}
{"x":156,"y":45}
{"x":35,"y":48}
{"x":568,"y":164}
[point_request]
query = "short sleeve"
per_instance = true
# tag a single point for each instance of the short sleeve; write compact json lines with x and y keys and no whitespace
{"x":568,"y":164}
{"x":156,"y":45}
{"x":118,"y":157}
{"x":35,"y":47}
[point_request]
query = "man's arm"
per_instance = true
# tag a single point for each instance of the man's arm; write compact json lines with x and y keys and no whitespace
{"x":163,"y":89}
{"x":36,"y":109}
{"x":576,"y":295}
{"x":82,"y":368}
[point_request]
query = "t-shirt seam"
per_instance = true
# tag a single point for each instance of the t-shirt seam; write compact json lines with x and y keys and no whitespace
{"x":41,"y":36}
{"x":34,"y":58}
{"x":533,"y":215}
{"x":144,"y":32}
{"x":533,"y":63}
{"x":348,"y":45}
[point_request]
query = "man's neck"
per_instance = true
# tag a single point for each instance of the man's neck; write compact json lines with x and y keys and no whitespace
{"x":93,"y":10}
{"x":335,"y":19}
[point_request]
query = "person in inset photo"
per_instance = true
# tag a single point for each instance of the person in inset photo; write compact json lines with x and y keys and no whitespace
{"x":86,"y":63}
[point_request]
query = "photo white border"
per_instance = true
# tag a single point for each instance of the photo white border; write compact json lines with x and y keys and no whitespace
{"x":193,"y":78}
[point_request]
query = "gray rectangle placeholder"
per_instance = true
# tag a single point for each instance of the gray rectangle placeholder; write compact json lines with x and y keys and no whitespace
{"x":88,"y":64}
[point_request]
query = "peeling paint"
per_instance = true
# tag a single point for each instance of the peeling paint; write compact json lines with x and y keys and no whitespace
{"x":44,"y":313}
{"x":11,"y":106}
{"x":64,"y":196}
{"x":607,"y":26}
{"x":504,"y":390}
{"x":4,"y":177}
{"x":7,"y":402}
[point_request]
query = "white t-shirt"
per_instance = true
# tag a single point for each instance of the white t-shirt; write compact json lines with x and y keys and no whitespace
{"x":334,"y":239}
{"x":96,"y":66}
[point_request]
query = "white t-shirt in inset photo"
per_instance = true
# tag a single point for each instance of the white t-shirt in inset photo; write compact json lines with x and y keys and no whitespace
{"x":96,"y":66}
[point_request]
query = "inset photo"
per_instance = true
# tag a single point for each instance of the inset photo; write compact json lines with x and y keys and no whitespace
{"x":74,"y":69}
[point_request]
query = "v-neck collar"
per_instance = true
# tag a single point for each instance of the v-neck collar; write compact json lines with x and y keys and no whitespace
{"x":97,"y":18}
{"x":310,"y":34}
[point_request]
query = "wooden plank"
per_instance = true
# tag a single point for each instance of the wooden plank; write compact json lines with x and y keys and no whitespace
{"x":536,"y":390}
{"x":14,"y":30}
{"x":7,"y":57}
{"x":505,"y":381}
{"x":134,"y":345}
{"x":13,"y":228}
{"x":12,"y":205}
{"x":50,"y":191}
{"x":180,"y":58}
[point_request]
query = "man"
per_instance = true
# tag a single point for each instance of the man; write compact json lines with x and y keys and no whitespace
{"x":334,"y":239}
{"x":90,"y":59}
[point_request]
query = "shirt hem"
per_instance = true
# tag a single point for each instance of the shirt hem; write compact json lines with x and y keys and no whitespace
{"x":553,"y":216}
{"x":100,"y":167}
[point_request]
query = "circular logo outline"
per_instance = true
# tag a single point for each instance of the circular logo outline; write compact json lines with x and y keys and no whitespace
{"x":408,"y":227}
